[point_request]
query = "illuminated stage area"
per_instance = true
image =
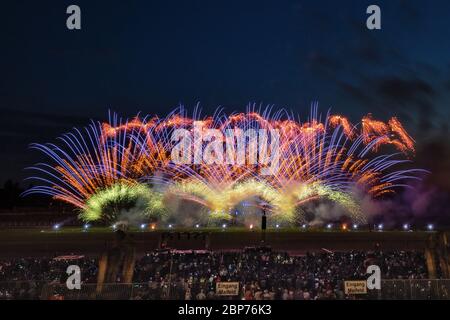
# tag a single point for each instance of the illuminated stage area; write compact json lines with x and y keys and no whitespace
{"x":227,"y":168}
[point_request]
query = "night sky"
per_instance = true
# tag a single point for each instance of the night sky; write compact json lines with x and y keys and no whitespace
{"x":133,"y":56}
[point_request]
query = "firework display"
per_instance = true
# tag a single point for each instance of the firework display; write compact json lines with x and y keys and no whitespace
{"x":126,"y":167}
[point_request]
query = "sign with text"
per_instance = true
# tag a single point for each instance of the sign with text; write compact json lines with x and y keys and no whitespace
{"x":355,"y":287}
{"x":227,"y":288}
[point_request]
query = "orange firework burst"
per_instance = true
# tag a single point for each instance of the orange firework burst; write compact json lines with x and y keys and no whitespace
{"x":328,"y":158}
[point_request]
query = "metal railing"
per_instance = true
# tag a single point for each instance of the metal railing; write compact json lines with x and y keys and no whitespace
{"x":390,"y":290}
{"x":424,"y":289}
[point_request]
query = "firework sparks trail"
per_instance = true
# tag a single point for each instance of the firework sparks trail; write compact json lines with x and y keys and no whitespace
{"x":318,"y":159}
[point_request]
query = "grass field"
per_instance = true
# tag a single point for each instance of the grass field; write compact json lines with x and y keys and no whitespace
{"x":66,"y":240}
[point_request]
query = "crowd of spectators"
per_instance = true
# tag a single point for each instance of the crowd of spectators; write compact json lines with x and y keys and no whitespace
{"x":268,"y":275}
{"x":262,"y":273}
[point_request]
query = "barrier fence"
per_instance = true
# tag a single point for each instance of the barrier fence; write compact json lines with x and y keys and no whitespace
{"x":390,"y":290}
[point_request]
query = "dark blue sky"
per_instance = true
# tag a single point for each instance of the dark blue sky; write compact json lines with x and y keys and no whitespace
{"x":133,"y":56}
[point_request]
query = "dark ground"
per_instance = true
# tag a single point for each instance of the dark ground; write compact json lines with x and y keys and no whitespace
{"x":36,"y":242}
